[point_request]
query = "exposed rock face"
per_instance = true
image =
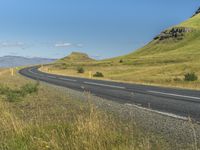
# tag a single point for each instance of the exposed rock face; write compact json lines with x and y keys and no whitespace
{"x":197,"y":12}
{"x":176,"y":33}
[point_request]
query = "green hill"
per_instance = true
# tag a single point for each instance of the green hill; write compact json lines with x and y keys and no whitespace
{"x":76,"y":57}
{"x":163,"y":61}
{"x":169,"y":56}
{"x":176,"y":44}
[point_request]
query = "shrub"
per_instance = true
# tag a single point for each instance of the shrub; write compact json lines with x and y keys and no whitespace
{"x":121,"y":61}
{"x":98,"y":74}
{"x":190,"y":77}
{"x":80,"y":70}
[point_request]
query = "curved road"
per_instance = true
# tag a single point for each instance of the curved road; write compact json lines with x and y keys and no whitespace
{"x":177,"y":103}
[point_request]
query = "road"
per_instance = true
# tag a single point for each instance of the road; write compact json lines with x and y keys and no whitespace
{"x":178,"y":103}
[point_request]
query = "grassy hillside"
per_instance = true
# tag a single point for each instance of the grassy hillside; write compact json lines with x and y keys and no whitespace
{"x":76,"y":57}
{"x":164,"y":61}
{"x":39,"y":117}
{"x":180,"y":41}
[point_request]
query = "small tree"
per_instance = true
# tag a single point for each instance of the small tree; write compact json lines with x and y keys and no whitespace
{"x":121,"y":61}
{"x":190,"y":77}
{"x":80,"y":70}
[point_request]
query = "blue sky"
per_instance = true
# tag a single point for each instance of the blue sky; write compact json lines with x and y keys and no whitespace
{"x":101,"y":28}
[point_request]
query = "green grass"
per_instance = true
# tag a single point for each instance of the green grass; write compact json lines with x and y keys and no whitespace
{"x":160,"y":62}
{"x":51,"y":119}
{"x":16,"y":94}
{"x":193,"y":22}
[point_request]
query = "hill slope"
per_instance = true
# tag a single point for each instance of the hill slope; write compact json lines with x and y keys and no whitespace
{"x":77,"y":57}
{"x":164,"y":61}
{"x":167,"y":57}
{"x":181,"y":41}
{"x":69,"y":63}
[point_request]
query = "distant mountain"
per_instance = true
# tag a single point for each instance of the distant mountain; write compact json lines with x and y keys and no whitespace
{"x":15,"y":61}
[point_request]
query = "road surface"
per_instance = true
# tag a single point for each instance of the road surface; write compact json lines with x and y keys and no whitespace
{"x":174,"y":102}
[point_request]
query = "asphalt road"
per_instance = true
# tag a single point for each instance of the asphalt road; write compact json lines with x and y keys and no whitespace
{"x":168,"y":101}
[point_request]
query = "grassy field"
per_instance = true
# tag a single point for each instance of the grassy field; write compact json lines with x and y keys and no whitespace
{"x":35,"y":116}
{"x":164,"y":61}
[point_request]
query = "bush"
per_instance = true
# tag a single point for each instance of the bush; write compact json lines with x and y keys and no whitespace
{"x":98,"y":74}
{"x":80,"y":70}
{"x":121,"y":61}
{"x":190,"y":77}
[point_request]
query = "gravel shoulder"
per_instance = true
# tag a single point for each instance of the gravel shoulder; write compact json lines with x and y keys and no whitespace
{"x":174,"y":130}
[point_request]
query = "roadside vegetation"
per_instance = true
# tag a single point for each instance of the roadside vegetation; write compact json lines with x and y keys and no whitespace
{"x":12,"y":95}
{"x":41,"y":117}
{"x":98,"y":74}
{"x":80,"y":70}
{"x":191,"y":77}
{"x":164,"y":61}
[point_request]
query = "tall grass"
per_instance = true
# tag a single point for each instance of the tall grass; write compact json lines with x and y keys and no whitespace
{"x":85,"y":128}
{"x":52,"y":119}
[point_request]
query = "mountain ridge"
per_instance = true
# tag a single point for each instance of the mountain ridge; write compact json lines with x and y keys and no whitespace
{"x":16,"y":61}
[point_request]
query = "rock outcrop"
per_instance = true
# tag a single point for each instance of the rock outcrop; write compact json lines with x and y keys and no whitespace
{"x":176,"y":33}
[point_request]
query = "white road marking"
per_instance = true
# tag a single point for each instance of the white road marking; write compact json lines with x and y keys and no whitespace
{"x":177,"y":95}
{"x":159,"y":112}
{"x":51,"y":77}
{"x":30,"y":70}
{"x":105,"y":85}
{"x":65,"y":79}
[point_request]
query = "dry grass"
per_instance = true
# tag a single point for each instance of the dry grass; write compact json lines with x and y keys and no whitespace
{"x":51,"y":119}
{"x":158,"y":63}
{"x":163,"y":75}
